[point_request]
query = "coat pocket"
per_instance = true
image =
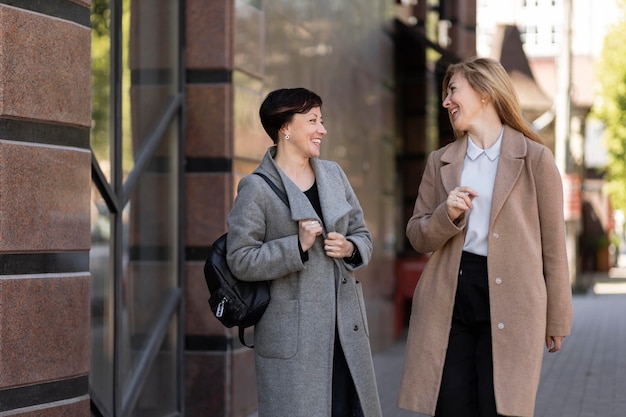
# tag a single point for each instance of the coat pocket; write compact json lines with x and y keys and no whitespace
{"x":359,"y":293}
{"x":276,"y":334}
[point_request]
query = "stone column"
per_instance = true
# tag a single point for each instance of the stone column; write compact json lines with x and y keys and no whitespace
{"x":45,"y":185}
{"x":219,"y":373}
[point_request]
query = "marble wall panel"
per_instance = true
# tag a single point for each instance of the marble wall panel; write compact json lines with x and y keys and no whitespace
{"x":209,"y":34}
{"x":34,"y":309}
{"x":209,"y":123}
{"x":209,"y":199}
{"x":44,"y":68}
{"x":46,"y":197}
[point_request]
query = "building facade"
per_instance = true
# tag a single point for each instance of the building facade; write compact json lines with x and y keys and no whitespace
{"x":125,"y":126}
{"x":543,"y":26}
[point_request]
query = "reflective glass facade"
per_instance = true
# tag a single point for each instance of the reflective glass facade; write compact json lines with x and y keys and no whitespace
{"x":135,"y":260}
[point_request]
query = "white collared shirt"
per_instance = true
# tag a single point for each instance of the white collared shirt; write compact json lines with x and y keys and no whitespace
{"x":479,"y":173}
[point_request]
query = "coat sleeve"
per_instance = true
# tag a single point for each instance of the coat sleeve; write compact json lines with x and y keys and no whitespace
{"x":430,"y":227}
{"x":553,"y":246}
{"x":357,"y":232}
{"x":250,"y":257}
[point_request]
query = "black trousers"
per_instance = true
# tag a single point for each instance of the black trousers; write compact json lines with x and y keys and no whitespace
{"x":345,"y":399}
{"x":467,"y":383}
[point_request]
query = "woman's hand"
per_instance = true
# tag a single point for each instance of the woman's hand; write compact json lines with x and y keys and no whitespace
{"x":308,"y":230}
{"x":460,"y":201}
{"x":337,"y":246}
{"x":553,"y":343}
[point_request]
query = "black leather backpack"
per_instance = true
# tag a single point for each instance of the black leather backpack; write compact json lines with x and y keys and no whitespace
{"x":235,"y":302}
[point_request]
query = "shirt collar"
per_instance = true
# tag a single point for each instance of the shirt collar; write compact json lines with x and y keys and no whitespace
{"x":473,"y":151}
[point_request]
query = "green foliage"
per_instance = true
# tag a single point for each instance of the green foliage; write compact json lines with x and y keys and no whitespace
{"x":101,"y":95}
{"x":611,"y":107}
{"x":100,"y":77}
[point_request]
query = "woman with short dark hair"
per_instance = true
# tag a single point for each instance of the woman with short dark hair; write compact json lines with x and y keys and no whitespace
{"x":312,"y":349}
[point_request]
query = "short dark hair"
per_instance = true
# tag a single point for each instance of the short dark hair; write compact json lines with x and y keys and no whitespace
{"x":280,"y":105}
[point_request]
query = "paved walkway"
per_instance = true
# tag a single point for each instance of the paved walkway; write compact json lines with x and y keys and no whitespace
{"x":587,"y":378}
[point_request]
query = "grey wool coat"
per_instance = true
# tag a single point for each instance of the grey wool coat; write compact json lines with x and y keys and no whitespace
{"x":294,"y":339}
{"x":529,"y":288}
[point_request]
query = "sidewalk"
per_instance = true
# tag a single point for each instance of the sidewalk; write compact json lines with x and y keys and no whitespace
{"x":586,"y":378}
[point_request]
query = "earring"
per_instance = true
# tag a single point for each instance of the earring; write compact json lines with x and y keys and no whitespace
{"x":287,"y":137}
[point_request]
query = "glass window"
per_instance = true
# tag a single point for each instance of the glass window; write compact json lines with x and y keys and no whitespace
{"x":135,"y":139}
{"x":102,"y":306}
{"x":100,"y":84}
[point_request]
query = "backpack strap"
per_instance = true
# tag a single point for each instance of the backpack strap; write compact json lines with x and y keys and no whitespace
{"x":280,"y":193}
{"x":242,"y":338}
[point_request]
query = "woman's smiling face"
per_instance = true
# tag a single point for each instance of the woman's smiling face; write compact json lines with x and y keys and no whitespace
{"x":462,"y":102}
{"x":306,"y":131}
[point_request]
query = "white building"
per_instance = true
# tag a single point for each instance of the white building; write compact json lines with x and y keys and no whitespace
{"x":541,"y":24}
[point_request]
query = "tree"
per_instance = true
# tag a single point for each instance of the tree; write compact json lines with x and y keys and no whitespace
{"x":610,"y":107}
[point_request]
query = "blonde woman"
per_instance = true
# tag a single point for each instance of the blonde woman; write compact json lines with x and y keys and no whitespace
{"x":496,"y":288}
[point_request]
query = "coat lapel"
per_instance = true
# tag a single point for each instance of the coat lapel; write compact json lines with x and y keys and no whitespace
{"x":330,"y":189}
{"x":452,"y":160}
{"x":299,"y":204}
{"x":332,"y":196}
{"x":510,"y":166}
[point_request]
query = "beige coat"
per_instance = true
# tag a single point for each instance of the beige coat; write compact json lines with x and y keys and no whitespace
{"x":529,"y":288}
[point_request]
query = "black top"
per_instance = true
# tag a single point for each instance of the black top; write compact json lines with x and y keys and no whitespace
{"x":314,"y":197}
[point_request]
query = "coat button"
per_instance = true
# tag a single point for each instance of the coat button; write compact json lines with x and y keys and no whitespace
{"x":495,"y":235}
{"x":500,"y":326}
{"x":498,"y":281}
{"x":355,"y":328}
{"x":344,"y":280}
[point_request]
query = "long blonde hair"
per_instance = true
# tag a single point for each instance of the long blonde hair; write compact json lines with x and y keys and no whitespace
{"x":488,"y":77}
